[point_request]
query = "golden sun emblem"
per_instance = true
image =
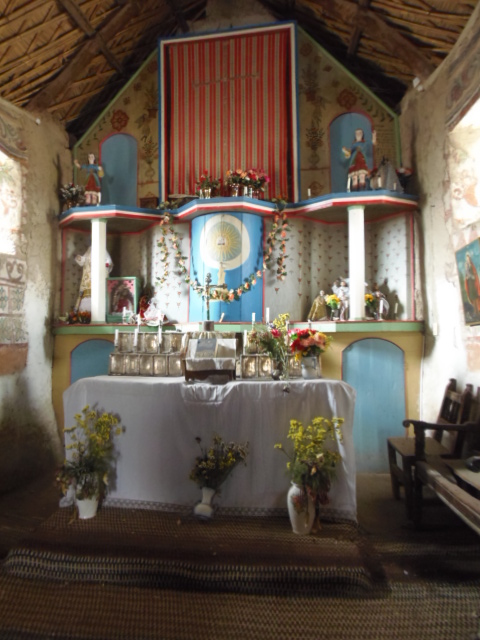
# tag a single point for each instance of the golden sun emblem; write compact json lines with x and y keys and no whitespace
{"x":224,"y":242}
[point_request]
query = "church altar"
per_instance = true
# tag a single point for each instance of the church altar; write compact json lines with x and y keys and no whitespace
{"x":163,"y":416}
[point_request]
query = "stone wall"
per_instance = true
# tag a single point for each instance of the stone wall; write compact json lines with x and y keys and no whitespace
{"x":452,"y":347}
{"x":29,"y":439}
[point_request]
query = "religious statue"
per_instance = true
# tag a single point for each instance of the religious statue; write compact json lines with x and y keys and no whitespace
{"x":358,"y":169}
{"x":319,"y":308}
{"x":84,"y":300}
{"x":341,"y":289}
{"x":94,"y":173}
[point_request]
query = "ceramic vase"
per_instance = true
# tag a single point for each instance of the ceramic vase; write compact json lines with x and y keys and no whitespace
{"x":301,"y":510}
{"x":87,"y":508}
{"x":204,"y":509}
{"x":311,"y":368}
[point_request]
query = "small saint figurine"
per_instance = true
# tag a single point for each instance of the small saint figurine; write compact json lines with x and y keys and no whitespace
{"x":341,"y":289}
{"x":358,"y":169}
{"x":319,"y":308}
{"x":94,"y":173}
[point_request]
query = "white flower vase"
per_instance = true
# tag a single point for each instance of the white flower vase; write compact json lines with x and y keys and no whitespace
{"x":311,"y":368}
{"x":87,"y":508}
{"x":301,"y":510}
{"x":204,"y":509}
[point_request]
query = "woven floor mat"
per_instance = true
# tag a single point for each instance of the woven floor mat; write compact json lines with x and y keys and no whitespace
{"x":228,"y":554}
{"x":34,"y":610}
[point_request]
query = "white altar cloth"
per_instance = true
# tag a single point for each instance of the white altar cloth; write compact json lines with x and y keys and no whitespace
{"x":163,"y":416}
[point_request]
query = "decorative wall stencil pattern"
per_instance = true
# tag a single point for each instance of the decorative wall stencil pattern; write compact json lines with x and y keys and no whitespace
{"x":134,"y":111}
{"x":13,"y":246}
{"x":12,"y":292}
{"x":327,"y":91}
{"x":11,"y":135}
{"x":387,"y":261}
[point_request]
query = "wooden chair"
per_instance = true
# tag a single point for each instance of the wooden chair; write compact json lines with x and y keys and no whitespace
{"x":455,"y":409}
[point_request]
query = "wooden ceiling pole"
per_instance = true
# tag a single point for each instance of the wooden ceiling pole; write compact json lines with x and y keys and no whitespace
{"x":81,"y":20}
{"x":357,"y":32}
{"x":179,"y":17}
{"x":390,"y":38}
{"x":77,"y":64}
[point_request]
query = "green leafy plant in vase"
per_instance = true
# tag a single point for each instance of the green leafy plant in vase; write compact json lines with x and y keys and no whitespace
{"x":312,"y":466}
{"x":89,"y":458}
{"x":212,"y":467}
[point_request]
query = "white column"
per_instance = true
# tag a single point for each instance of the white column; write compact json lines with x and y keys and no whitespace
{"x":356,"y":260}
{"x":99,"y":271}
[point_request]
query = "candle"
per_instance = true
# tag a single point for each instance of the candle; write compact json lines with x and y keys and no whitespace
{"x":115,"y":342}
{"x":267,"y":315}
{"x":309,"y":193}
{"x":253,"y":318}
{"x":310,"y":325}
{"x":221,"y":317}
{"x":159,"y":334}
{"x":139,"y":320}
{"x":135,"y":338}
{"x":124,"y":314}
{"x":245,"y":342}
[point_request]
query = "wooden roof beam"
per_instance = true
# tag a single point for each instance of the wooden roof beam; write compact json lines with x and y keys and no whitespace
{"x":81,"y":20}
{"x":59,"y":85}
{"x":357,"y":32}
{"x":371,"y":23}
{"x":179,"y":17}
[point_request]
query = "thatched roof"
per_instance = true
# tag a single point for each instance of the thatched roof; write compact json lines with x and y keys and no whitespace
{"x":71,"y":56}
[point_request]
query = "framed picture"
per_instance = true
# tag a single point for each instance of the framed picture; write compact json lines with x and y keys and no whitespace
{"x":122,"y":293}
{"x":468,"y":265}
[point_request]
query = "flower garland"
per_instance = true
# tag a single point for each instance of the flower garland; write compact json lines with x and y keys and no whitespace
{"x":279,"y":226}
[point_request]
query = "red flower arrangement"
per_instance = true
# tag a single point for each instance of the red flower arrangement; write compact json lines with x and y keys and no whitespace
{"x":308,"y":342}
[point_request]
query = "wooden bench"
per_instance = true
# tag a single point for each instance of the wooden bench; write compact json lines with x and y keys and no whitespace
{"x":448,"y":478}
{"x":455,"y":409}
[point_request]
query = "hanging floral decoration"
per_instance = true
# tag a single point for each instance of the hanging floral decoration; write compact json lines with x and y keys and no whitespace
{"x":278,"y":231}
{"x":170,"y":240}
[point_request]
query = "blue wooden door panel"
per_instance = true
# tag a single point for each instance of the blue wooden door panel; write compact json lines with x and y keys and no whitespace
{"x":119,"y":162}
{"x":376,"y":369}
{"x":90,"y":358}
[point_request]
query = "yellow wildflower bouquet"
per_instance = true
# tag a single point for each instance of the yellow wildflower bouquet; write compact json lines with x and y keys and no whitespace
{"x":313,"y":463}
{"x":215,"y":464}
{"x":91,"y":453}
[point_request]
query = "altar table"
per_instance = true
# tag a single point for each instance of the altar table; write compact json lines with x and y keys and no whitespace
{"x":163,"y":416}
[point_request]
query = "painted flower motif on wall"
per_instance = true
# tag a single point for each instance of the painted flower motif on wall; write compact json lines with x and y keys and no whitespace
{"x":152,"y":66}
{"x":119,"y":120}
{"x":306,"y":49}
{"x":347,"y":99}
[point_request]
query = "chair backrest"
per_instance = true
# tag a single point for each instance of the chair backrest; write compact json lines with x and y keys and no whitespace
{"x":456,"y":408}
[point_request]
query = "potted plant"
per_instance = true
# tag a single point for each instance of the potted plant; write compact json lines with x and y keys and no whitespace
{"x":89,"y":459}
{"x":312,"y":466}
{"x":206,"y":186}
{"x":72,"y":195}
{"x":307,"y":345}
{"x":212,"y":467}
{"x":274,"y":340}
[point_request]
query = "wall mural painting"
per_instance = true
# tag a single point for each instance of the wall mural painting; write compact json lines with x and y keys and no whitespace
{"x":468,"y":265}
{"x":13,"y":338}
{"x":462,"y":151}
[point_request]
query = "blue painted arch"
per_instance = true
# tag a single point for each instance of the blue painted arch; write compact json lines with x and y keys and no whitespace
{"x":90,"y":358}
{"x":375,"y":368}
